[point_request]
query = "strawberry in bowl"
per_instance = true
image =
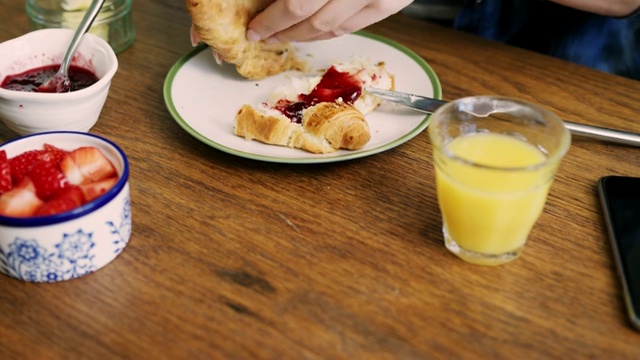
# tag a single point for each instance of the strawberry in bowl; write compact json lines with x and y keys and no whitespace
{"x":65,"y":206}
{"x":52,"y":180}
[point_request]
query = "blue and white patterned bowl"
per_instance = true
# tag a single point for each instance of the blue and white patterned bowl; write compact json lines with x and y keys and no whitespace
{"x":73,"y":244}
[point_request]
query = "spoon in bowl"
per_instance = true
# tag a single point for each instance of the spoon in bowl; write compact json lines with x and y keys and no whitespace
{"x":61,"y":82}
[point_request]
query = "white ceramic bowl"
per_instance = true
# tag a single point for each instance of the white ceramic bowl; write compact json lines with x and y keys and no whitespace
{"x":32,"y":112}
{"x":72,"y":244}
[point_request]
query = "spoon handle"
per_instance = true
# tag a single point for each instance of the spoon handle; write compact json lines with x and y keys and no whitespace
{"x":83,"y":27}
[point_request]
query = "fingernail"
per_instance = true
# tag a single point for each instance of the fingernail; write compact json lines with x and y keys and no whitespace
{"x":195,"y":39}
{"x":272,"y":40}
{"x":253,"y":36}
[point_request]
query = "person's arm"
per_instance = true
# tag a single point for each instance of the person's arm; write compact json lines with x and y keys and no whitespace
{"x":617,"y":8}
{"x":308,"y":20}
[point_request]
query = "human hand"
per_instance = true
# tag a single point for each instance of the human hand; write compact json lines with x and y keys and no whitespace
{"x":196,"y":40}
{"x":310,"y":20}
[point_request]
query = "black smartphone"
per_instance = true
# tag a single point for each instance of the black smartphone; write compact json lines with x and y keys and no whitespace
{"x":620,"y":198}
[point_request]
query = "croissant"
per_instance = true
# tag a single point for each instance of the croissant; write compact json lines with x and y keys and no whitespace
{"x":222,"y":24}
{"x":320,"y":114}
{"x":325,"y":128}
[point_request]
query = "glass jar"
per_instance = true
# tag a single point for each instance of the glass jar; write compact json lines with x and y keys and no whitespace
{"x":114,"y":22}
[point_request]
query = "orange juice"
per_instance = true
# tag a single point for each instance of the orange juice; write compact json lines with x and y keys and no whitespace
{"x":491,"y":190}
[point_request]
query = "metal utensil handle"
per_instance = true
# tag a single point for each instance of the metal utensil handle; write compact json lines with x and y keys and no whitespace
{"x":429,"y":105}
{"x":83,"y":27}
{"x":598,"y":133}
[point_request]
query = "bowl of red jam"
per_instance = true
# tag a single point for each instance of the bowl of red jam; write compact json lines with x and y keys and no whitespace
{"x":65,"y":208}
{"x":29,"y":61}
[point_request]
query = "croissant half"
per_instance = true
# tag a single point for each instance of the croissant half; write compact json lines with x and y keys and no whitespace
{"x":325,"y":128}
{"x":319,"y":114}
{"x":222,"y":24}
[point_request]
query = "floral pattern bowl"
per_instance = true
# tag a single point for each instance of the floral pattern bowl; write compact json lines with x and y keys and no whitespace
{"x":75,"y":243}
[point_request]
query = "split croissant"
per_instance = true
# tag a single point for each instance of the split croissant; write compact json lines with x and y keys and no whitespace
{"x":326,"y":127}
{"x":222,"y":24}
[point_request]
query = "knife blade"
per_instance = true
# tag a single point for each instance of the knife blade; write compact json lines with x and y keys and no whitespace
{"x":417,"y":102}
{"x":430,"y":105}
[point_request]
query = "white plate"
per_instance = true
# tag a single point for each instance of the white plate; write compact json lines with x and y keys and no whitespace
{"x":203,"y":97}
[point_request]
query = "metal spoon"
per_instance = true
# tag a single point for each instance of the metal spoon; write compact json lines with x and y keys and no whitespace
{"x":60,"y":82}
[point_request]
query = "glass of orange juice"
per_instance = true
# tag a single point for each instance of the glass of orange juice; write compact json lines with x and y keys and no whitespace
{"x":495,"y":159}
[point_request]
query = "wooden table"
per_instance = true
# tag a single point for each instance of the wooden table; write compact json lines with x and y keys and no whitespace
{"x":235,"y":258}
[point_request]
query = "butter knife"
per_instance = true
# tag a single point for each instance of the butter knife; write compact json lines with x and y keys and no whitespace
{"x":430,"y":105}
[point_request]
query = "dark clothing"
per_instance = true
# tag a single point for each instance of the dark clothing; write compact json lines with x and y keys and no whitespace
{"x":605,"y":43}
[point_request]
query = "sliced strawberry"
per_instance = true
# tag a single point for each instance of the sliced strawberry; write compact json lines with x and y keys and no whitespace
{"x":56,"y":153}
{"x":21,"y":201}
{"x":97,"y":188}
{"x":67,"y":199}
{"x":21,"y":164}
{"x":5,"y":173}
{"x":47,"y":178}
{"x":86,"y":164}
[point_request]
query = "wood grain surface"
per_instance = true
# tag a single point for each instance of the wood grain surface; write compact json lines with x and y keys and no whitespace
{"x":239,"y":259}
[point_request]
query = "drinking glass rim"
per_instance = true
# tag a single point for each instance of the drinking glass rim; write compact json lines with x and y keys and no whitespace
{"x":554,"y":158}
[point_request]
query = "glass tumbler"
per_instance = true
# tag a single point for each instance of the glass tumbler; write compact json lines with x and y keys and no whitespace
{"x":495,"y":159}
{"x":114,"y":22}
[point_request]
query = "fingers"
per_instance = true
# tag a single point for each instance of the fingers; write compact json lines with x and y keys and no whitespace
{"x":331,"y":20}
{"x":363,"y":18}
{"x":310,"y":20}
{"x":281,"y":15}
{"x":195,"y":38}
